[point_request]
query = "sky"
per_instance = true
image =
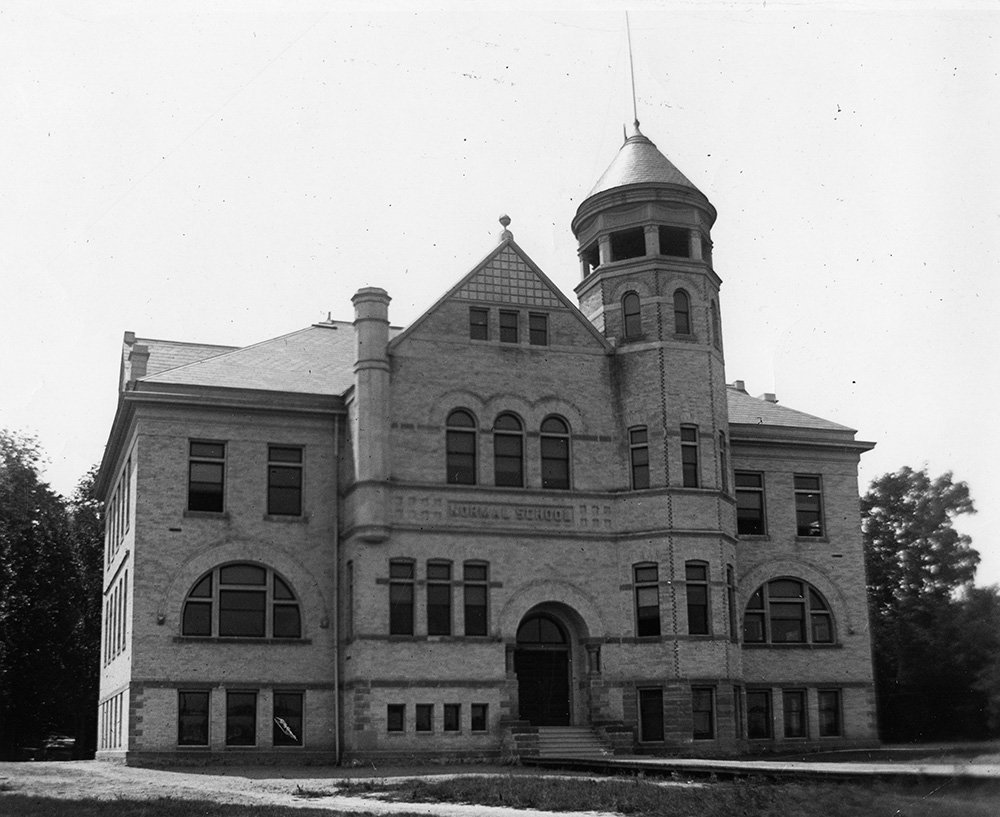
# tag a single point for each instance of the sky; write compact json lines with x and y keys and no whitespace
{"x":227,"y":172}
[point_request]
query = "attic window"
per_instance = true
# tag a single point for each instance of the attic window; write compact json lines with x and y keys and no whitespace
{"x":674,"y":241}
{"x":628,"y":244}
{"x":591,"y":258}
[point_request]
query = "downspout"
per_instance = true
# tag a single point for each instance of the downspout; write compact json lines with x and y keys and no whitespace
{"x":336,"y":591}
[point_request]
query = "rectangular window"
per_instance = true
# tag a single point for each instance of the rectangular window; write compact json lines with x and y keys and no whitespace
{"x":538,"y":329}
{"x":242,"y":613}
{"x":758,"y":714}
{"x":400,"y":598}
{"x":349,"y":601}
{"x":750,"y":503}
{"x":808,"y":506}
{"x":738,"y":712}
{"x":689,"y":456}
{"x":508,"y":326}
{"x":829,"y":713}
{"x":475,"y":593}
{"x":287,"y":719}
{"x":452,"y":717}
{"x":638,"y":448}
{"x":794,"y":706}
{"x":480,"y":717}
{"x":479,"y":323}
{"x":192,"y":717}
{"x":425,"y":718}
{"x":696,"y":577}
{"x":395,"y":718}
{"x":723,"y":463}
{"x":731,"y":600}
{"x":703,"y":713}
{"x":284,"y":480}
{"x":438,"y":598}
{"x":241,"y":718}
{"x":647,"y":600}
{"x":651,"y":715}
{"x":206,"y":476}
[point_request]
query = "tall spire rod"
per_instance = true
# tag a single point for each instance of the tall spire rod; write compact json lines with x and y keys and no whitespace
{"x":631,"y":71}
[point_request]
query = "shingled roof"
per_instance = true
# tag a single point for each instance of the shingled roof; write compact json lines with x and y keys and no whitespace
{"x":757,"y":411}
{"x":315,"y":360}
{"x":639,"y":162}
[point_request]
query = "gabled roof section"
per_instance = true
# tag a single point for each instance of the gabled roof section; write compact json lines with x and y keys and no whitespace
{"x":756,"y":411}
{"x":507,"y":276}
{"x":315,"y":360}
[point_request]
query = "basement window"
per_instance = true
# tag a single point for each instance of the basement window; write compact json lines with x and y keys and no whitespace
{"x":674,"y":241}
{"x":628,"y":244}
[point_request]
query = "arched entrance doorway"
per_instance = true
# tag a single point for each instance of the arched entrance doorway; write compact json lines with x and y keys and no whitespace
{"x":542,"y":661}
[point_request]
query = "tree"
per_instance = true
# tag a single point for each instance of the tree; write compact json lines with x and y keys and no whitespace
{"x":912,"y":551}
{"x":86,"y":529}
{"x":929,"y":633}
{"x":46,"y":600}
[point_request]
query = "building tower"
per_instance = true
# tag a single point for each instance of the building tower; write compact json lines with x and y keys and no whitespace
{"x":649,"y":286}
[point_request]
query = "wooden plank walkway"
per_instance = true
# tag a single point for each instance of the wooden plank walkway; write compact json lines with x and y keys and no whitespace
{"x":773,"y":769}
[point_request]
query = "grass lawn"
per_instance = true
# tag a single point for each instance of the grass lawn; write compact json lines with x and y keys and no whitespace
{"x":635,"y":797}
{"x":643,"y":798}
{"x":17,"y":805}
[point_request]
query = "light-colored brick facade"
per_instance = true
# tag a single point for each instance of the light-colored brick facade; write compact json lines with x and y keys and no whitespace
{"x":357,"y":542}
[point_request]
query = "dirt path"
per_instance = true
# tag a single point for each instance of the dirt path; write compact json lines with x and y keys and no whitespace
{"x":272,"y":786}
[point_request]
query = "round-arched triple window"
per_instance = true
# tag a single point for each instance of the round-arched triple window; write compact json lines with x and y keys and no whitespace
{"x":241,"y":600}
{"x":787,"y":611}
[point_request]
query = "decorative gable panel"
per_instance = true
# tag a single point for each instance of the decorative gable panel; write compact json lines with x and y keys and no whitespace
{"x":507,"y":278}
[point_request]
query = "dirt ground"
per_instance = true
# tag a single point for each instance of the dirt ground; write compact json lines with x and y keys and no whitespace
{"x":292,"y":787}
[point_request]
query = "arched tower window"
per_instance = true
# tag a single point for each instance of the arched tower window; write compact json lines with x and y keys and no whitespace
{"x":460,"y":445}
{"x":242,"y":600}
{"x":682,"y":313}
{"x":631,"y":317}
{"x":508,"y":451}
{"x":787,"y":611}
{"x":555,"y":452}
{"x":716,"y":327}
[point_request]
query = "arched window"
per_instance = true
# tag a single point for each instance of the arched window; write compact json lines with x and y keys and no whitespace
{"x":508,"y":451}
{"x":682,"y":313}
{"x":716,"y":327}
{"x":242,"y":601}
{"x":631,"y":318}
{"x":540,"y":630}
{"x":555,"y":453}
{"x":787,"y":611}
{"x":461,"y":448}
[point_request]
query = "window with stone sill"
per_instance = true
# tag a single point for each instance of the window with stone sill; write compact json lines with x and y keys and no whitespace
{"x":787,"y":611}
{"x":241,"y":601}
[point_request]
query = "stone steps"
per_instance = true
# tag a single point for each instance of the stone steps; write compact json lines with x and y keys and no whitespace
{"x":569,"y":741}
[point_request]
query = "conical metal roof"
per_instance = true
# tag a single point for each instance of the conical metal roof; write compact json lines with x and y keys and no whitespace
{"x":639,"y":162}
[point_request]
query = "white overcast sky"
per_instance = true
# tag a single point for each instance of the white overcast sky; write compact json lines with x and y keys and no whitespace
{"x":226,"y":172}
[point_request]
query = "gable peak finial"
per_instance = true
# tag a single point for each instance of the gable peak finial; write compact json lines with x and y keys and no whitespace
{"x":506,"y":235}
